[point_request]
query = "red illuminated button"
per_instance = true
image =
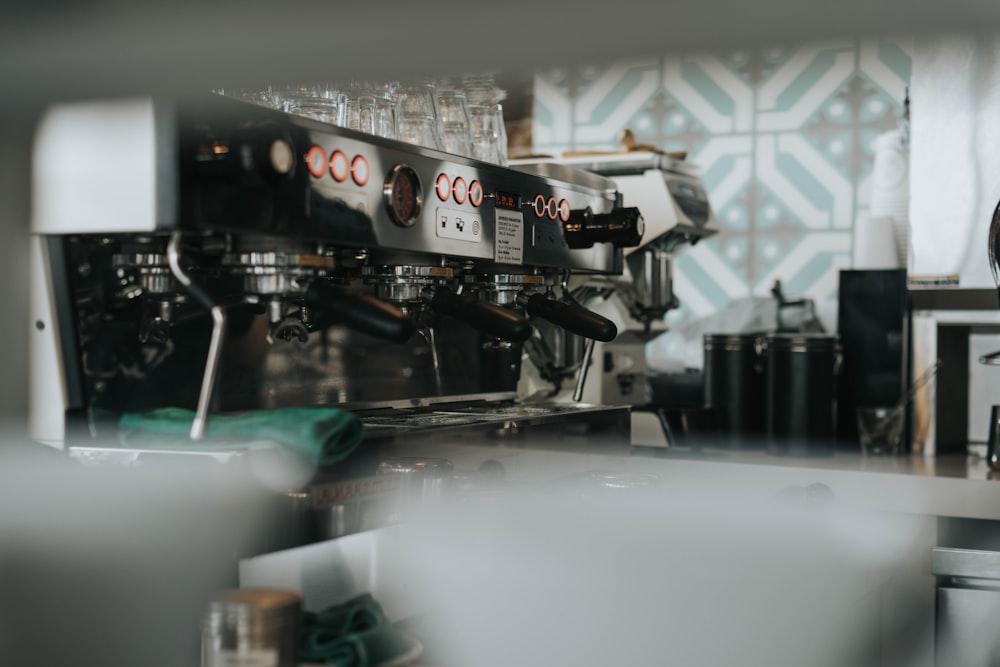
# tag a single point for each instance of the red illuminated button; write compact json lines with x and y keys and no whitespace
{"x":540,"y":206}
{"x":316,"y":161}
{"x":564,"y":210}
{"x":443,"y":187}
{"x":551,"y":208}
{"x":476,"y":193}
{"x":359,"y":170}
{"x":459,"y":190}
{"x":339,"y":166}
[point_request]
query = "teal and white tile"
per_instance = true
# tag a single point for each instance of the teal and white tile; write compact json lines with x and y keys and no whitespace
{"x":784,"y":136}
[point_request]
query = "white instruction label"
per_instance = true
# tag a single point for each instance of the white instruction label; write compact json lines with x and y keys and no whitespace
{"x":251,"y":658}
{"x":509,"y":244}
{"x":459,"y":225}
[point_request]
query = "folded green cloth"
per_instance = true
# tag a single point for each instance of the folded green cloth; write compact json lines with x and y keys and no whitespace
{"x":323,"y":435}
{"x":354,"y":633}
{"x":359,"y":614}
{"x":323,"y":646}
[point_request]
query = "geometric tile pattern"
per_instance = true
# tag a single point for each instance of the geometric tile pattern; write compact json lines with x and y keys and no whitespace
{"x":784,"y":137}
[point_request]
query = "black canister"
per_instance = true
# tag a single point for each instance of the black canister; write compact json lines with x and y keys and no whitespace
{"x":801,"y":378}
{"x":734,"y":387}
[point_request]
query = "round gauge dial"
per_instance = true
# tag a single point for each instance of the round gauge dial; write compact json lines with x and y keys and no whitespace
{"x":403,"y":195}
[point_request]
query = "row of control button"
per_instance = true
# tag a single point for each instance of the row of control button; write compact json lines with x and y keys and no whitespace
{"x":458,"y":190}
{"x":339,"y":166}
{"x":548,"y":207}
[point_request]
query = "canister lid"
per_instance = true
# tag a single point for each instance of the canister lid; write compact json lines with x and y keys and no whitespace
{"x":802,"y":342}
{"x":259,"y":599}
{"x":731,"y":340}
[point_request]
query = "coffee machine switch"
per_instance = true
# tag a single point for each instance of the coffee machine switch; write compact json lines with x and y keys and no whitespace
{"x":265,"y":151}
{"x":282,"y":156}
{"x":622,"y":227}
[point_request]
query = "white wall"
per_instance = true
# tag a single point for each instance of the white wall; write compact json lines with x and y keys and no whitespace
{"x":955,"y":154}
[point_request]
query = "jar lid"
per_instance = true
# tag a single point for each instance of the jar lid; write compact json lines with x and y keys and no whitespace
{"x":261,"y":599}
{"x":802,"y":342}
{"x":731,"y":340}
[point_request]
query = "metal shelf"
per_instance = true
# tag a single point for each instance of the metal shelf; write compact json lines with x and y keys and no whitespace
{"x":954,"y":298}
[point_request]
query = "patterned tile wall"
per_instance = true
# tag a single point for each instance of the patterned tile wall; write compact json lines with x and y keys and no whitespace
{"x":784,"y":137}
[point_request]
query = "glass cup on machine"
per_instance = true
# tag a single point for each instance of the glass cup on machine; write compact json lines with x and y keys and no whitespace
{"x":501,"y":133}
{"x":262,"y":96}
{"x":371,"y":110}
{"x":417,"y":115}
{"x":485,"y":138}
{"x":453,"y":114}
{"x":419,"y":130}
{"x":319,"y":101}
{"x":383,"y":122}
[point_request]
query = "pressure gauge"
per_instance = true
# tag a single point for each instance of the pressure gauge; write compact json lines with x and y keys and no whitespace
{"x":403,"y":195}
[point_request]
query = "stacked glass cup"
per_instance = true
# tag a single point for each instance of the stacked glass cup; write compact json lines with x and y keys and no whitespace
{"x":463,"y":118}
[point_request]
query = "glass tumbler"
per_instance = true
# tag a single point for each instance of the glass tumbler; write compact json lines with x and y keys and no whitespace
{"x":880,"y":429}
{"x":415,"y":103}
{"x":501,"y":133}
{"x":482,"y":126}
{"x":371,"y":111}
{"x":419,"y":130}
{"x":319,"y":102}
{"x":317,"y":108}
{"x":383,"y":114}
{"x":454,"y":117}
{"x":417,"y":99}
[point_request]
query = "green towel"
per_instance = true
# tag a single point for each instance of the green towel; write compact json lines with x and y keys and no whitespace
{"x":354,"y":633}
{"x":323,"y":646}
{"x":323,"y":435}
{"x":359,"y":614}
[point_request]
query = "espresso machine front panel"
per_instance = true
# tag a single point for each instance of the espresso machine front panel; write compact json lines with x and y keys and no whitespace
{"x":216,"y":255}
{"x":217,"y":164}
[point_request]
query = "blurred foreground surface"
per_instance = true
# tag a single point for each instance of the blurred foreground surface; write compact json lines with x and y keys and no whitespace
{"x":112,"y":566}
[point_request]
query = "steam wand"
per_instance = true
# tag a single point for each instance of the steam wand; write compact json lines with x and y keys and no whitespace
{"x":215,"y":345}
{"x":427,"y":333}
{"x":581,"y":379}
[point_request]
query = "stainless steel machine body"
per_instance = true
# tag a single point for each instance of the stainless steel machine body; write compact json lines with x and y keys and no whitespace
{"x":215,"y":255}
{"x":677,"y":215}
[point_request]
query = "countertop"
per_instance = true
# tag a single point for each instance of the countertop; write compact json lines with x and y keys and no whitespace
{"x":943,"y":486}
{"x":947,"y":486}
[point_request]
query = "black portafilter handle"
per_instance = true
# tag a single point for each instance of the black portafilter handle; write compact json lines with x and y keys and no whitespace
{"x":572,"y":317}
{"x":622,"y":227}
{"x":481,"y":315}
{"x":333,"y":304}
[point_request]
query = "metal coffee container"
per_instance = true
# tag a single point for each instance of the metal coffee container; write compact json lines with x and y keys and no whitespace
{"x":801,"y":387}
{"x":734,"y":387}
{"x":251,"y":627}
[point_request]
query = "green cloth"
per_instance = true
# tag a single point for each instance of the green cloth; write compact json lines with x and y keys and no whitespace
{"x":359,"y":614}
{"x":354,"y":633}
{"x":323,"y":646}
{"x":322,"y":435}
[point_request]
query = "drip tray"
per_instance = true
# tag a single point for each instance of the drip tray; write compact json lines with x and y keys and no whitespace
{"x":504,"y":415}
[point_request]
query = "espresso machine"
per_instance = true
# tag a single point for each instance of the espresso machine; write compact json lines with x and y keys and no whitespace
{"x":223,"y":257}
{"x":678,"y":215}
